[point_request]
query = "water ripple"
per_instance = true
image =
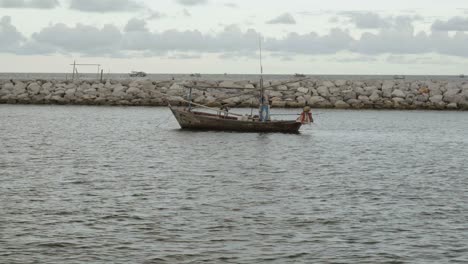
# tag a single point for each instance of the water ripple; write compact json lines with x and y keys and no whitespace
{"x":106,"y":185}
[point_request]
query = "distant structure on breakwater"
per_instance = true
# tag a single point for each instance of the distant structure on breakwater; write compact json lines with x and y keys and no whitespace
{"x":342,"y":94}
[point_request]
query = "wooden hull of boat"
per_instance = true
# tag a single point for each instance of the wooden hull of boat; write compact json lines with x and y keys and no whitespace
{"x":204,"y":121}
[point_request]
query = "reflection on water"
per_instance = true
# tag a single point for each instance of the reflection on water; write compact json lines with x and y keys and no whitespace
{"x":122,"y":185}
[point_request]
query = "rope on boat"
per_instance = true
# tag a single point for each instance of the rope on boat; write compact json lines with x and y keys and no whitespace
{"x":229,"y":97}
{"x":242,"y":88}
{"x":199,"y":105}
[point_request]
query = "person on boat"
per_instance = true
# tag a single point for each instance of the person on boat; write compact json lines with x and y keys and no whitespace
{"x":306,"y":116}
{"x":224,"y":109}
{"x":264,"y":112}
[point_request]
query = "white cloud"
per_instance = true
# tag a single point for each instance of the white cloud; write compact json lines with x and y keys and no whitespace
{"x":104,"y":6}
{"x":453,"y":24}
{"x":80,"y":39}
{"x":372,"y":20}
{"x":231,"y":5}
{"x":285,"y":18}
{"x":11,"y":39}
{"x":192,"y":2}
{"x":367,"y":20}
{"x":135,"y":24}
{"x":40,"y":4}
{"x":137,"y":39}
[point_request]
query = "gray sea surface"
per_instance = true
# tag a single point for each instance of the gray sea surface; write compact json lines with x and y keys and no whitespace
{"x":218,"y":77}
{"x":81,"y":184}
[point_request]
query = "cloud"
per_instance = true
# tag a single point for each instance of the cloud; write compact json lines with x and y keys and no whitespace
{"x":39,"y":4}
{"x":83,"y":39}
{"x":371,"y":20}
{"x":285,"y":18}
{"x":135,"y":24}
{"x":192,"y":2}
{"x":104,"y":6}
{"x":154,"y":15}
{"x":186,"y":13}
{"x":453,"y":24}
{"x":11,"y":39}
{"x":231,"y":5}
{"x":367,"y":20}
{"x":136,"y":39}
{"x":359,"y":58}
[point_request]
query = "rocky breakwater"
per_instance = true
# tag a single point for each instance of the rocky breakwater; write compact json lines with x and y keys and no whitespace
{"x":342,"y":94}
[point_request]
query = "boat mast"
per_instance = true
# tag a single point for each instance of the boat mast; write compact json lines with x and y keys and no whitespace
{"x":262,"y":89}
{"x":264,"y":110}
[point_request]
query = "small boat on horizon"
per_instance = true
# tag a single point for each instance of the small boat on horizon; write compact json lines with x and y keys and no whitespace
{"x":399,"y":77}
{"x":462,"y":76}
{"x":195,"y":75}
{"x":137,"y":74}
{"x":299,"y":75}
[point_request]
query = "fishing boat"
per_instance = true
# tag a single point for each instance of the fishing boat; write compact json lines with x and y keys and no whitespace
{"x":197,"y":120}
{"x":137,"y":74}
{"x":224,"y":120}
{"x":399,"y":77}
{"x":299,"y":75}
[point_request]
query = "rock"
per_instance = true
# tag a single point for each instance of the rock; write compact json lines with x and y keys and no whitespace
{"x":452,"y":95}
{"x":349,"y":94}
{"x":19,"y":88}
{"x":226,"y":84}
{"x":388,"y":85}
{"x":301,"y":101}
{"x":47,"y":86}
{"x":452,"y":106}
{"x":359,"y":91}
{"x":434,"y":90}
{"x":398,"y":93}
{"x":398,"y":101}
{"x":119,"y":91}
{"x":436,"y":98}
{"x":133,"y":90}
{"x":463,"y":105}
{"x":368,"y":91}
{"x":452,"y":92}
{"x":275,"y":94}
{"x":323,"y":91}
{"x":278,"y":104}
{"x":341,"y":105}
{"x":134,"y":84}
{"x":328,"y":84}
{"x":176,"y":86}
{"x":374,"y":96}
{"x":363,"y":98}
{"x":294,"y":85}
{"x":315,"y":100}
{"x":232,"y":101}
{"x":251,"y":86}
{"x":302,"y":90}
{"x":6,"y":89}
{"x":282,"y":88}
{"x":34,"y":88}
{"x":422,"y":97}
{"x":335,"y":91}
{"x":340,"y":83}
{"x":70,"y":93}
{"x":410,"y":98}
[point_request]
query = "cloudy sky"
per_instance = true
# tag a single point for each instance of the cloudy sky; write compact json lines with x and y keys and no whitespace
{"x":217,"y":36}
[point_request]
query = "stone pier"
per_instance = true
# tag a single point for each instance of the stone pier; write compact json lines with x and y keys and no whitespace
{"x":342,"y":94}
